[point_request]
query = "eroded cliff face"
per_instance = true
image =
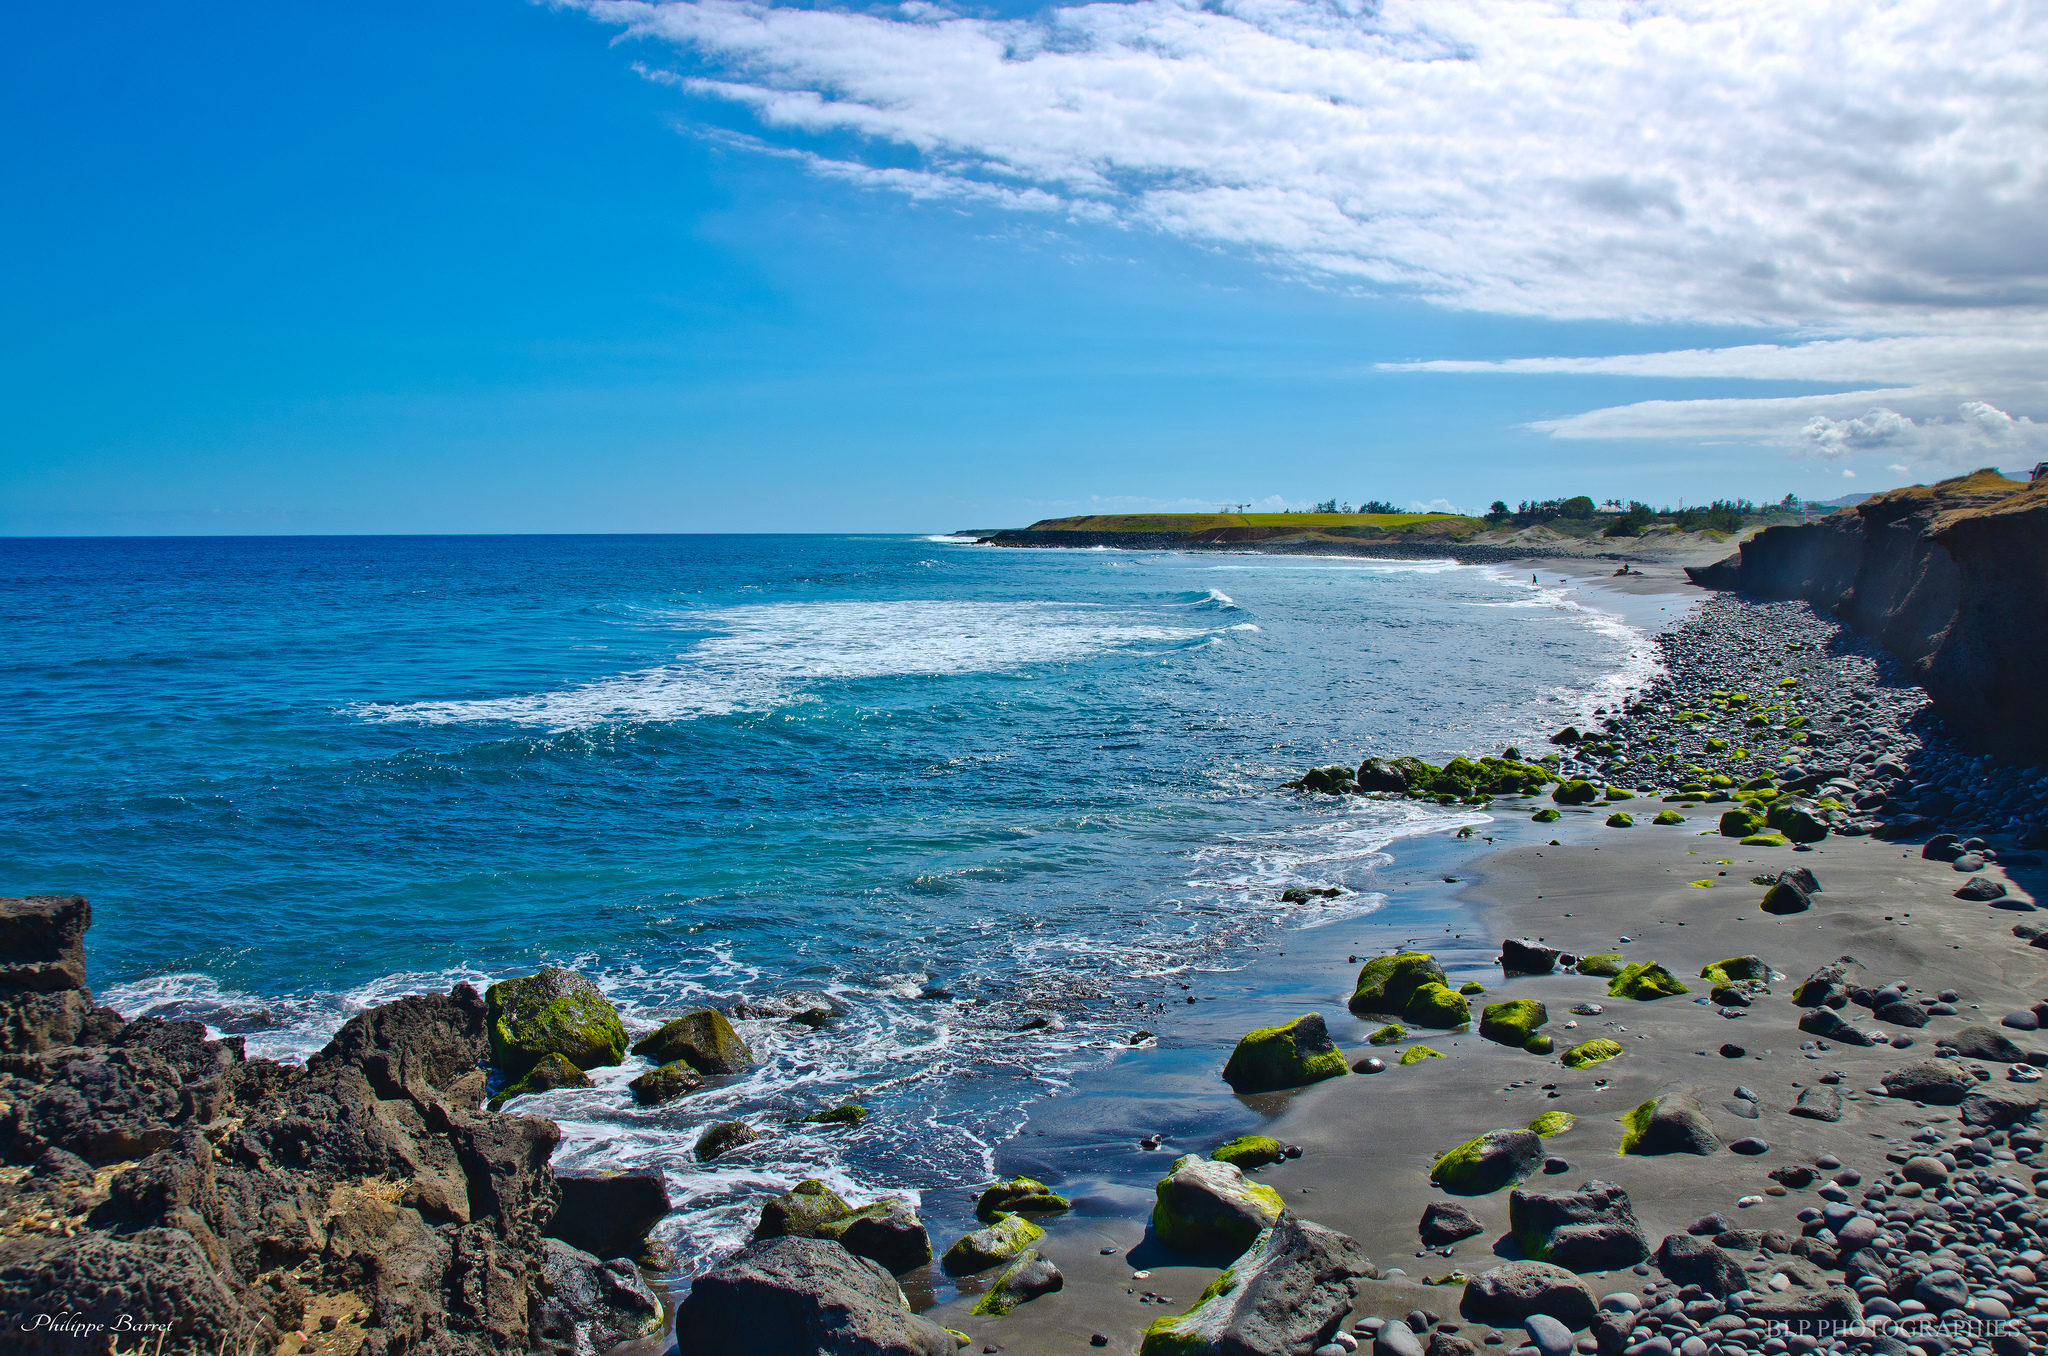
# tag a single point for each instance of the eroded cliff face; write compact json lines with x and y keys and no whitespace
{"x":1951,"y":577}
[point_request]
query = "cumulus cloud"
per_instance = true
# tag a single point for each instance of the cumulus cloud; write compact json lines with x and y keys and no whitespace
{"x":1695,"y":159}
{"x":1432,"y":506}
{"x":1871,"y":178}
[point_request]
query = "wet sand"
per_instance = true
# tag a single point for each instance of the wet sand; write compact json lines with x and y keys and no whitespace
{"x":1368,"y":1140}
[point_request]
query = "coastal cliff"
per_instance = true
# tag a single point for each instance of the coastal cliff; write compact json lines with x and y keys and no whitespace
{"x":1951,"y":578}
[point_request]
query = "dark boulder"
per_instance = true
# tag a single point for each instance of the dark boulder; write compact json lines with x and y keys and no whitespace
{"x":1591,"y":1229}
{"x":151,"y":1276}
{"x":1670,"y":1124}
{"x":1829,"y":1025}
{"x":1523,"y":957}
{"x":798,"y":1212}
{"x":1828,"y":986}
{"x":801,"y":1296}
{"x":1984,"y":1042}
{"x":608,"y":1214}
{"x":887,"y":1232}
{"x":1940,"y":1082}
{"x":723,"y":1137}
{"x":42,"y":942}
{"x":587,"y":1305}
{"x":554,"y":1011}
{"x":1998,"y":1107}
{"x":425,"y":1042}
{"x":1446,"y":1222}
{"x":1687,"y":1260}
{"x":1510,"y":1293}
{"x":1288,"y":1293}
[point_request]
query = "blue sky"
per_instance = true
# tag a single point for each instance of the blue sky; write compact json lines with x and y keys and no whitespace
{"x":720,"y":267}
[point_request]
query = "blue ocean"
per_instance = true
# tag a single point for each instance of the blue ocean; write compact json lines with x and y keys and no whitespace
{"x":960,"y":789}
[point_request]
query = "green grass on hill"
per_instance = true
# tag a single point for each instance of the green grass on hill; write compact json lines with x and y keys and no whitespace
{"x":1202,"y":522}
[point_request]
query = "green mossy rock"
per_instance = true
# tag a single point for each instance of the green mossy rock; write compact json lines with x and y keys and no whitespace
{"x":1549,"y":814}
{"x":1539,"y":1044}
{"x":665,"y":1084}
{"x":798,"y":1212}
{"x":1739,"y":823}
{"x":1646,"y":980}
{"x":702,"y":1039}
{"x":1621,"y":819}
{"x":1512,"y":1022}
{"x":1203,"y":1204}
{"x":723,"y":1137}
{"x":1765,"y":840}
{"x":1496,"y":1159}
{"x":1602,"y":964}
{"x":1672,"y":1123}
{"x":1415,"y":1054}
{"x":1798,"y":819}
{"x":1437,"y":1005}
{"x":851,"y":1113}
{"x":1195,"y":1332}
{"x":1552,"y":1123}
{"x":1620,"y":793}
{"x":888,"y":1232}
{"x":1590,"y":1052}
{"x":1386,"y":983}
{"x":1024,"y":1279}
{"x":1388,"y":1035}
{"x":1668,"y":817}
{"x":1785,"y":897}
{"x":556,"y":1012}
{"x":552,"y":1072}
{"x":1249,"y":1151}
{"x":1289,"y":1056}
{"x":984,"y":1248}
{"x":1576,"y":792}
{"x":1019,"y":1195}
{"x":1736,"y":968}
{"x":1731,"y":995}
{"x":1471,"y":987}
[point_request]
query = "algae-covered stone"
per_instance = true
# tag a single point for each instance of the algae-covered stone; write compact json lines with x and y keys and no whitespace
{"x":723,"y":1137}
{"x":1576,"y":792}
{"x":1437,"y":1005}
{"x":1019,"y":1195}
{"x":1615,"y":793}
{"x":1590,"y":1052}
{"x":984,"y":1248}
{"x":1471,"y":987}
{"x":1798,"y":819}
{"x":1765,"y":840}
{"x":849,"y":1113}
{"x":1204,"y":1204}
{"x":1785,"y":896}
{"x":1512,"y":1022}
{"x":1736,"y":968}
{"x":1026,"y":1278}
{"x":1668,"y":817}
{"x":1496,"y":1159}
{"x":798,"y":1212}
{"x":1621,"y":819}
{"x":1646,"y":980}
{"x":1249,"y":1151}
{"x":1415,"y":1054}
{"x":702,"y":1039}
{"x":1288,"y":1292}
{"x":1671,"y":1124}
{"x":1540,"y":1044}
{"x":1290,"y":1056}
{"x":1549,"y":814}
{"x":1386,"y":983}
{"x":1552,"y":1123}
{"x":558,"y":1012}
{"x":1388,"y":1035}
{"x":665,"y":1084}
{"x":1739,"y":823}
{"x":553,"y":1071}
{"x":1602,"y":964}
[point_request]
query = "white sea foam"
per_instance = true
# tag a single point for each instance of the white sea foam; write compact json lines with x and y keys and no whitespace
{"x":768,"y":654}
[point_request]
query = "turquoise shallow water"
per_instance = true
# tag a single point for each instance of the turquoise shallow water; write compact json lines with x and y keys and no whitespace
{"x":954,"y":786}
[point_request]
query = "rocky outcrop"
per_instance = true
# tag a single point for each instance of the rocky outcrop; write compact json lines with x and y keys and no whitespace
{"x":800,"y":1296}
{"x":1288,"y":1292}
{"x":179,"y":1182}
{"x":1953,"y":580}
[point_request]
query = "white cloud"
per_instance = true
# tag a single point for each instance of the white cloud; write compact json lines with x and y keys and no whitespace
{"x":1432,"y":506}
{"x":1871,"y":178}
{"x":1695,"y":159}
